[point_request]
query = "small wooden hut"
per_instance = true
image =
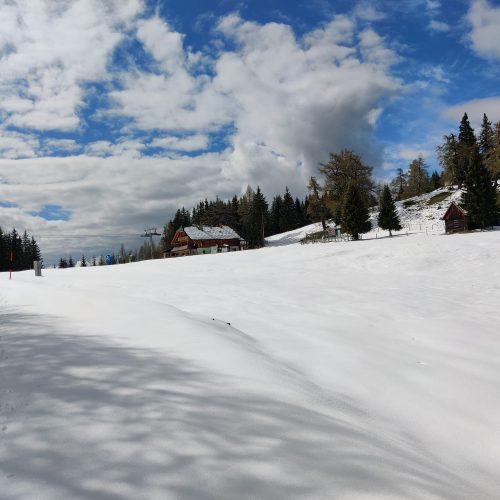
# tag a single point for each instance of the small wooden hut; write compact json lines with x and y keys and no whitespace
{"x":455,"y":218}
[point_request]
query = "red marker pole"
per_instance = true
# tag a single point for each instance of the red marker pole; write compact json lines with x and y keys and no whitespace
{"x":11,"y":260}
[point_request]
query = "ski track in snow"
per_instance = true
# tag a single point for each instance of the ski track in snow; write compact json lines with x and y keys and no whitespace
{"x":346,"y":371}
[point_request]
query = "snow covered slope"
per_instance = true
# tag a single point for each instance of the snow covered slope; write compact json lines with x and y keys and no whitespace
{"x":352,"y":370}
{"x":420,"y":214}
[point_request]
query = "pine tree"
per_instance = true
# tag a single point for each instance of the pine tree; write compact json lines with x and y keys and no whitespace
{"x":36,"y":254}
{"x":288,"y":219}
{"x":317,"y":210}
{"x":299,"y":214}
{"x":355,"y":218}
{"x":3,"y":252}
{"x":479,"y":198}
{"x":435,"y":180}
{"x":465,"y":149}
{"x":71,"y":262}
{"x":245,"y":213}
{"x":398,"y":184}
{"x":492,"y":157}
{"x":448,"y":159}
{"x":418,"y":179}
{"x":342,"y":170}
{"x":388,"y":218}
{"x":84,"y":262}
{"x":275,"y":214}
{"x":485,"y":137}
{"x":466,"y":132}
{"x":259,"y":220}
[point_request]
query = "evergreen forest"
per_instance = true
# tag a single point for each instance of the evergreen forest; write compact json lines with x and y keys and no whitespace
{"x":17,"y":252}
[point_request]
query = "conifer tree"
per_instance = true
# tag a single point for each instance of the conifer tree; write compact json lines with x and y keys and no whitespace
{"x":245,"y":213}
{"x":259,"y":220}
{"x":317,"y":210}
{"x":435,"y":180}
{"x":299,"y":214}
{"x":36,"y":254}
{"x":418,"y":179}
{"x":355,"y":218}
{"x":288,"y":218}
{"x":71,"y":262}
{"x":343,"y":169}
{"x":492,"y":157}
{"x":465,"y":149}
{"x":84,"y":262}
{"x":398,"y":184}
{"x":466,"y":132}
{"x":275,"y":214}
{"x":479,"y":197}
{"x":388,"y":218}
{"x":485,"y":137}
{"x":447,"y":154}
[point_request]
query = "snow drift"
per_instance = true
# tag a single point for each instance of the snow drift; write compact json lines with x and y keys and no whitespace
{"x":351,"y":370}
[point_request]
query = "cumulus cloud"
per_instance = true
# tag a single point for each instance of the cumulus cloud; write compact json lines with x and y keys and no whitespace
{"x":484,"y":19}
{"x":475,"y":109}
{"x":49,"y":50}
{"x":278,"y":102}
{"x":17,"y":145}
{"x":190,"y":143}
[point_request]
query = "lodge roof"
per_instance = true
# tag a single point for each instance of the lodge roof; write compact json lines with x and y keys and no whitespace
{"x":454,"y":204}
{"x":211,"y":233}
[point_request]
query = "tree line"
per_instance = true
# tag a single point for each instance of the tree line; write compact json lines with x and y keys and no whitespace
{"x":347,"y":193}
{"x":23,"y":249}
{"x":250,"y":215}
{"x":473,"y":164}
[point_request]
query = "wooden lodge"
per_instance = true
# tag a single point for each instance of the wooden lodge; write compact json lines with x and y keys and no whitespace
{"x":195,"y":240}
{"x":455,"y":218}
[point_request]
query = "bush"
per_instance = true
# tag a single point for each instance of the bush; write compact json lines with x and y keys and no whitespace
{"x":438,"y":198}
{"x":409,"y":203}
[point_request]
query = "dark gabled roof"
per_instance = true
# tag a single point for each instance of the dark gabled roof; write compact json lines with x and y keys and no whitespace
{"x":457,"y":206}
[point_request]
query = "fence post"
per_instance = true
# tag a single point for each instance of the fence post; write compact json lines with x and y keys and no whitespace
{"x":37,"y":266}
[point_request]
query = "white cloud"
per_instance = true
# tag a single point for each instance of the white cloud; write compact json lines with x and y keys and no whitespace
{"x":131,"y":148}
{"x":164,"y":44}
{"x":119,"y":195}
{"x":61,"y":144}
{"x":374,"y":49}
{"x":475,"y":110}
{"x":190,"y":143}
{"x":49,"y":50}
{"x":367,"y":12}
{"x":484,"y":19}
{"x":15,"y":145}
{"x":439,"y":26}
{"x":287,"y":101}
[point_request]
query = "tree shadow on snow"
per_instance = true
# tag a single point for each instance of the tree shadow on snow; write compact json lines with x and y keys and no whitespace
{"x":81,"y":418}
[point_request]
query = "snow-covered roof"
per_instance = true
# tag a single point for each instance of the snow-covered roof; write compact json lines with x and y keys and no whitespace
{"x":211,"y":233}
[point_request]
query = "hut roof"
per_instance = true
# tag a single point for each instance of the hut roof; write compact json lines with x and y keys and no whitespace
{"x":457,"y":206}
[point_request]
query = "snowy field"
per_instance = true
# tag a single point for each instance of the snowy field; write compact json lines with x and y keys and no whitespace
{"x":356,"y":370}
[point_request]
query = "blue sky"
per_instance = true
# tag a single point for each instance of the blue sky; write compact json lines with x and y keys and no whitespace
{"x":113,"y":114}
